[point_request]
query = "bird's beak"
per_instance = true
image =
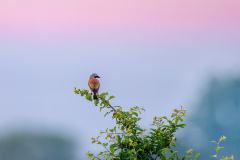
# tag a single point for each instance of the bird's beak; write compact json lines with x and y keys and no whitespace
{"x":98,"y":77}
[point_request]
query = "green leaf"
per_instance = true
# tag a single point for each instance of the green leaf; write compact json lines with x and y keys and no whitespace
{"x":96,"y":103}
{"x":213,"y":141}
{"x":82,"y":94}
{"x":176,"y":120}
{"x":100,"y":153}
{"x":118,"y":139}
{"x":197,"y":155}
{"x":122,"y":128}
{"x":217,"y":149}
{"x":188,"y":156}
{"x":164,"y":117}
{"x":214,"y":156}
{"x":114,"y":115}
{"x":85,"y":92}
{"x":111,"y":97}
{"x":126,"y":141}
{"x":174,"y":152}
{"x":106,"y":114}
{"x":112,"y":146}
{"x":135,"y":114}
{"x":129,"y":115}
{"x":124,"y":122}
{"x":181,"y":125}
{"x":105,"y":144}
{"x":165,"y":152}
{"x":103,"y":95}
{"x":89,"y":97}
{"x":104,"y":103}
{"x":90,"y":155}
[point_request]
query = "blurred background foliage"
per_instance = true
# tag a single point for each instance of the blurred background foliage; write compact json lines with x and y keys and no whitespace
{"x":35,"y":146}
{"x":215,"y":114}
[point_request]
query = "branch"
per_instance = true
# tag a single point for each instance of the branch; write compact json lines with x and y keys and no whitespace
{"x":111,"y":106}
{"x":90,"y":154}
{"x":104,"y":146}
{"x":96,"y":157}
{"x":118,"y":133}
{"x":114,"y":133}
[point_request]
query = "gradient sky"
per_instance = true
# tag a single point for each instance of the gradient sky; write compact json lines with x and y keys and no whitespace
{"x":87,"y":18}
{"x":157,"y":54}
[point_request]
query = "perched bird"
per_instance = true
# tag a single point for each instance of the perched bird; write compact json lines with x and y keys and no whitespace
{"x":94,"y":84}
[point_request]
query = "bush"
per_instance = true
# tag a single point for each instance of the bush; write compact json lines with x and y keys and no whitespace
{"x":128,"y":140}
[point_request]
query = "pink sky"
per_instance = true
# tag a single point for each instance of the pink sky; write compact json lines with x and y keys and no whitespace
{"x":43,"y":17}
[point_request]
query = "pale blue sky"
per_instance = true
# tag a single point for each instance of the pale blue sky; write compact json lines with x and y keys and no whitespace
{"x":37,"y":80}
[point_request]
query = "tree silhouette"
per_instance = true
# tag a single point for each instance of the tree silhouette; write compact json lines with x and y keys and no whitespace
{"x":217,"y":113}
{"x":32,"y":146}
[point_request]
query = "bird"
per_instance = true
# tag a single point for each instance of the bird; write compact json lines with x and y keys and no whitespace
{"x":94,"y":84}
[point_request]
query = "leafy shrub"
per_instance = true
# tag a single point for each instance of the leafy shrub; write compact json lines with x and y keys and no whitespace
{"x":128,"y":140}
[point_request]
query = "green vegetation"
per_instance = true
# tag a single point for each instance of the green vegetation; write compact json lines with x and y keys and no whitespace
{"x":215,"y":113}
{"x":128,"y":140}
{"x":28,"y":145}
{"x":223,"y":138}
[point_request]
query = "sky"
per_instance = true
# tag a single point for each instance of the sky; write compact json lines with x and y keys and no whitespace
{"x":157,"y":54}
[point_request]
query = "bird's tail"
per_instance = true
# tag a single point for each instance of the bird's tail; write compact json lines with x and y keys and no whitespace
{"x":94,"y":95}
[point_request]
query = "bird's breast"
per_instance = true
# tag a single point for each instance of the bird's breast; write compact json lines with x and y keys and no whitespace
{"x":93,"y":83}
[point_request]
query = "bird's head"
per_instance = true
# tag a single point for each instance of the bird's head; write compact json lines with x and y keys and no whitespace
{"x":94,"y":75}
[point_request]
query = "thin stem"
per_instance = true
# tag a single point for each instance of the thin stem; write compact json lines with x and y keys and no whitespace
{"x":96,"y":157}
{"x":106,"y":148}
{"x":111,"y":106}
{"x":139,"y":109}
{"x":114,"y":133}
